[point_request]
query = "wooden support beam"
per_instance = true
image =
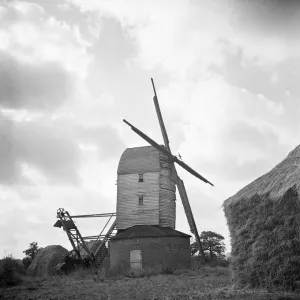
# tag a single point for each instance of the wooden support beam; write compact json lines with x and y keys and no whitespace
{"x":189,"y":214}
{"x":94,"y":215}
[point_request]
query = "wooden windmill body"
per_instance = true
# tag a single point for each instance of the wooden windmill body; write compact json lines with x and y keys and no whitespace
{"x":146,"y":208}
{"x":146,"y":191}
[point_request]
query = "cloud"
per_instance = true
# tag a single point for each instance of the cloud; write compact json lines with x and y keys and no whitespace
{"x":43,"y":63}
{"x":266,"y":31}
{"x":167,"y":35}
{"x":30,"y":35}
{"x":227,"y":133}
{"x":9,"y":168}
{"x":273,"y":81}
{"x":53,"y":148}
{"x":106,"y":138}
{"x":268,"y":17}
{"x":40,"y":145}
{"x":251,"y":152}
{"x":24,"y":85}
{"x":186,"y":38}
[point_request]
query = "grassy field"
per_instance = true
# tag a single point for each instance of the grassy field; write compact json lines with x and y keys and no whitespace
{"x":206,"y":283}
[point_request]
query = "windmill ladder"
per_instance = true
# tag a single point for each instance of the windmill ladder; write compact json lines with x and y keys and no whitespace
{"x":101,"y":251}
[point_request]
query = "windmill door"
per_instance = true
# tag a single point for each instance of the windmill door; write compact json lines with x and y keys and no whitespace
{"x":136,"y":260}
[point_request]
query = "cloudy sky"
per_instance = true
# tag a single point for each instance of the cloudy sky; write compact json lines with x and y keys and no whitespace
{"x":227,"y":77}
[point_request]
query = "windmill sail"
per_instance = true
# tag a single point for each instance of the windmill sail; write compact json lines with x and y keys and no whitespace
{"x":167,"y":153}
{"x":160,"y":119}
{"x":179,"y":182}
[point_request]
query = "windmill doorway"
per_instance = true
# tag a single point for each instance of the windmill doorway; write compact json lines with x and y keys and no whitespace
{"x":136,"y":260}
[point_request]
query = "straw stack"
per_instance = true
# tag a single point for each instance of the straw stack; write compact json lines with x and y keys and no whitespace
{"x":46,"y":260}
{"x":264,"y":224}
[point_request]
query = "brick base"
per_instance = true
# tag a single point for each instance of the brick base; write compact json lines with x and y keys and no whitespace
{"x":157,"y":252}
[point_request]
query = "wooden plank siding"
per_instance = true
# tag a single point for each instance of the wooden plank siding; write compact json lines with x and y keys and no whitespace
{"x":129,"y":212}
{"x":167,"y":194}
{"x":158,"y":189}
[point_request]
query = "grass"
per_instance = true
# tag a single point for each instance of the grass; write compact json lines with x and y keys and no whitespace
{"x":205,"y":283}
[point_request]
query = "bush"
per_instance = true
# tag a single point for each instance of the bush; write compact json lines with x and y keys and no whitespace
{"x":132,"y":274}
{"x":219,"y":263}
{"x":167,"y":271}
{"x":10,"y":271}
{"x":141,"y":274}
{"x":199,"y":262}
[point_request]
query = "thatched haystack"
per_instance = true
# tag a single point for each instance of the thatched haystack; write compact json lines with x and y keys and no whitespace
{"x":264,"y":224}
{"x":46,"y":260}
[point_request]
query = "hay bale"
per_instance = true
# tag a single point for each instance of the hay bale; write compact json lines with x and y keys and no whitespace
{"x":264,"y":225}
{"x":46,"y":260}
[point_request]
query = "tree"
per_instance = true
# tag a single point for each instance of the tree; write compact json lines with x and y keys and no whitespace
{"x":30,"y":253}
{"x":33,"y":250}
{"x":212,"y":243}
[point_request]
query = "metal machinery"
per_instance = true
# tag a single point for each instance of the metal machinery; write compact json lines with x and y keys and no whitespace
{"x":92,"y":248}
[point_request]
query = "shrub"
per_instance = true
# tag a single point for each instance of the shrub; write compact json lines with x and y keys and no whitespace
{"x":132,"y":274}
{"x":219,"y":263}
{"x":141,"y":274}
{"x":10,"y":271}
{"x":167,"y":271}
{"x":198,"y":262}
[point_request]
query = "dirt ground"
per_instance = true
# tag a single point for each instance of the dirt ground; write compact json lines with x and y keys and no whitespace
{"x":207,"y":283}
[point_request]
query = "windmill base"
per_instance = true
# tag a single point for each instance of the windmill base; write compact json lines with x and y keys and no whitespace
{"x":149,"y":249}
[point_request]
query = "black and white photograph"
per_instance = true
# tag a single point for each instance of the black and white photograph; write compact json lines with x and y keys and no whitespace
{"x":150,"y":149}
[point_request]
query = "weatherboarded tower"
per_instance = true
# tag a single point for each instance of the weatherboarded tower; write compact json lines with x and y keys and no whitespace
{"x":146,"y":191}
{"x":146,"y":213}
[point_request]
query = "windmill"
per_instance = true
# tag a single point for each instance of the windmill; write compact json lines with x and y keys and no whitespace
{"x":166,"y":150}
{"x":145,"y":212}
